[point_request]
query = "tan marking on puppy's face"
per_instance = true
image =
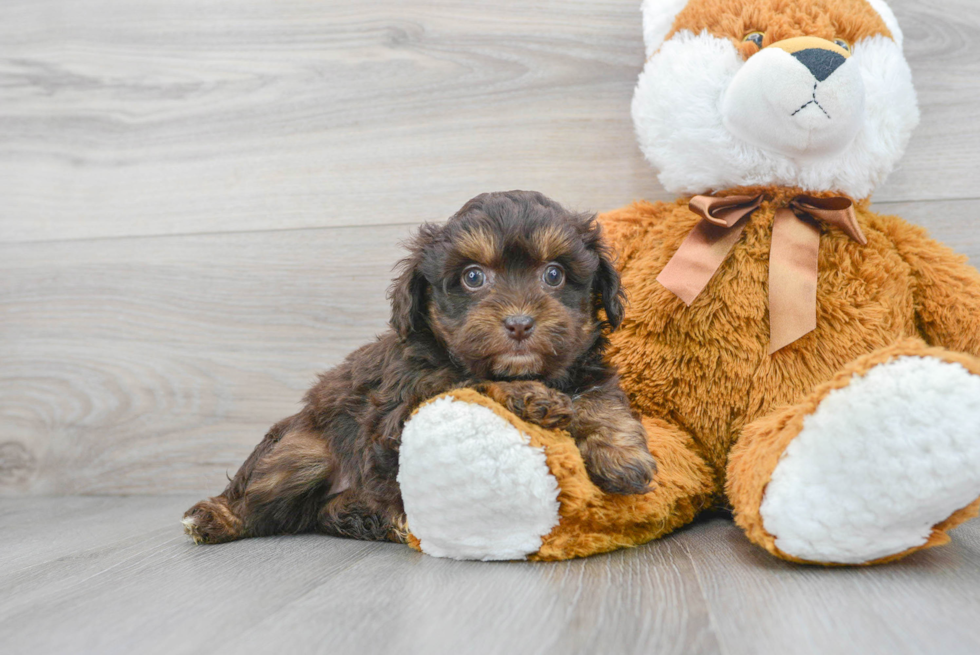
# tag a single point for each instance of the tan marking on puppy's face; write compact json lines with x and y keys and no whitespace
{"x":550,"y":243}
{"x":777,"y":20}
{"x":479,"y":245}
{"x":516,"y":285}
{"x":472,"y":324}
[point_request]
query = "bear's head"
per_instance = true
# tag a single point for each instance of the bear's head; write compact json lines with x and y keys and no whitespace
{"x":814,"y":94}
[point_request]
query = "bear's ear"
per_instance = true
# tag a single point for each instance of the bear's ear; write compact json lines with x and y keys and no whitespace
{"x":658,"y":19}
{"x":890,"y":21}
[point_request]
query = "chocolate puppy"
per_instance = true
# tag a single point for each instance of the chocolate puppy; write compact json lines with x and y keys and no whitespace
{"x":513,"y":296}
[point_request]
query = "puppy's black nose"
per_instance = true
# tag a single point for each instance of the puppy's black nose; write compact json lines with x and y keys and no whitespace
{"x":519,"y":327}
{"x":822,"y":63}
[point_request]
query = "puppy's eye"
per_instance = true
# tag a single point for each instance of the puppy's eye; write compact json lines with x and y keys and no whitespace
{"x":553,"y":275}
{"x":755,"y":37}
{"x":474,"y":277}
{"x":844,"y":44}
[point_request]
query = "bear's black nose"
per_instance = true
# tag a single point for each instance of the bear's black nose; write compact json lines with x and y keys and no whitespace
{"x":822,"y":63}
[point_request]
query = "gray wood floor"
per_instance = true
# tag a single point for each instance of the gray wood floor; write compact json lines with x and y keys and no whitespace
{"x":116,"y":575}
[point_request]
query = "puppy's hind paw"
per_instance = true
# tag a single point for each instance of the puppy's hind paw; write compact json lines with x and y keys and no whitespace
{"x":211,"y":522}
{"x":191,"y":530}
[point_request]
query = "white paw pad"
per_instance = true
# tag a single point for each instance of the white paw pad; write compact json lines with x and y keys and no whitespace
{"x":878,"y":464}
{"x":473,"y":486}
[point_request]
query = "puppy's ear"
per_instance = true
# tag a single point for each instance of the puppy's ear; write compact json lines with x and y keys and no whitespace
{"x":409,"y":292}
{"x":607,"y":288}
{"x":610,"y":291}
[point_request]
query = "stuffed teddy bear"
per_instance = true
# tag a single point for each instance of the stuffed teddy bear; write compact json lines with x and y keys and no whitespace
{"x":796,"y":356}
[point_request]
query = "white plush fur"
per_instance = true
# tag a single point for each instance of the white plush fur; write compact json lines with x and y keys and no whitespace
{"x":878,"y":464}
{"x":473,"y":487}
{"x":658,"y":19}
{"x":679,"y":115}
{"x":889,"y":17}
{"x":774,"y":102}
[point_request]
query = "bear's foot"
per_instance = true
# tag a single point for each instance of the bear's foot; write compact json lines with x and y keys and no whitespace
{"x":478,"y":482}
{"x":473,"y":485}
{"x":887,"y":461}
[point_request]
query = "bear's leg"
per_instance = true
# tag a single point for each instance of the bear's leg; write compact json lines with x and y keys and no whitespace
{"x":877,"y":463}
{"x":480,"y":483}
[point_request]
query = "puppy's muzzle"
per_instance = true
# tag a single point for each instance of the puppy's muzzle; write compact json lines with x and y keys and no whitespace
{"x":519,"y":327}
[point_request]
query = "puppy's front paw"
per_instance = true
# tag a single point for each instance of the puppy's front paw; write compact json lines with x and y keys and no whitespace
{"x":619,"y":469}
{"x":211,"y":522}
{"x":546,"y":407}
{"x":533,"y":402}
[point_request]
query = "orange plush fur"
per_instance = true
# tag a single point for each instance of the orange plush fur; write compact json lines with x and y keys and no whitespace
{"x":874,"y":303}
{"x":594,"y":522}
{"x":707,"y":369}
{"x":850,"y":20}
{"x":720,"y":410}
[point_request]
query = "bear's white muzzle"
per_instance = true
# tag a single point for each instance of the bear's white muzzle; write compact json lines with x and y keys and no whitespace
{"x":803,"y":98}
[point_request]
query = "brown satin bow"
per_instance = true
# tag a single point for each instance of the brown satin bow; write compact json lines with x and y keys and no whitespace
{"x":792,"y":256}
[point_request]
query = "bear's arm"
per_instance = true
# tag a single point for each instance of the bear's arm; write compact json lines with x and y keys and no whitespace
{"x":947,"y":290}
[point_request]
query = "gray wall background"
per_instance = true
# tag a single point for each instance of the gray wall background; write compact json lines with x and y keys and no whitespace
{"x":200,"y":202}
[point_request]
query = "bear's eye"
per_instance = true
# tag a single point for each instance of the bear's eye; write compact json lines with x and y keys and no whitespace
{"x":755,"y":37}
{"x":474,"y":278}
{"x":844,"y":44}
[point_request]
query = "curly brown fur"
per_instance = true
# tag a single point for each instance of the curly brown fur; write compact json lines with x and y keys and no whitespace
{"x":528,"y":329}
{"x":612,"y":442}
